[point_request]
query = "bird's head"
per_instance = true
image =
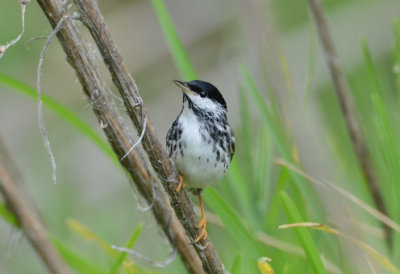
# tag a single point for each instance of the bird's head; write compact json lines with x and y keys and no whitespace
{"x":202,"y":95}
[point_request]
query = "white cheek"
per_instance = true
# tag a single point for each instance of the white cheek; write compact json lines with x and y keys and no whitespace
{"x":205,"y":104}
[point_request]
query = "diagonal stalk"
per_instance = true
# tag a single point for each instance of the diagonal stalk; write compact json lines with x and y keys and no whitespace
{"x":82,"y":60}
{"x":26,"y":217}
{"x":159,"y":159}
{"x":344,"y":96}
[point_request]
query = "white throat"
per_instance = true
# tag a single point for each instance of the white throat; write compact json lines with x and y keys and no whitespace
{"x":204,"y":104}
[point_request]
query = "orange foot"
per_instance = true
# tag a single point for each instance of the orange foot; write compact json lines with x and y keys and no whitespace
{"x":181,"y":183}
{"x":203,"y":223}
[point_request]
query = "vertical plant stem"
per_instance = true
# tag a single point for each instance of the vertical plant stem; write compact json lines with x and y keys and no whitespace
{"x":344,"y":96}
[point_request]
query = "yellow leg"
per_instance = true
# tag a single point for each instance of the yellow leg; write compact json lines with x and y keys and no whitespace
{"x":203,"y":222}
{"x":181,"y":183}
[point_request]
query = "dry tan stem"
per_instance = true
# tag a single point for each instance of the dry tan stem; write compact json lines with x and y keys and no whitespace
{"x":125,"y":83}
{"x":345,"y":101}
{"x":82,"y":60}
{"x":18,"y":204}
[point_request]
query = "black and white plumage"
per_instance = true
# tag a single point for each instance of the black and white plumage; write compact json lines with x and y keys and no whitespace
{"x":201,"y":141}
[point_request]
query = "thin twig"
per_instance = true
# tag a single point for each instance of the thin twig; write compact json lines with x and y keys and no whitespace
{"x":344,"y":96}
{"x":40,"y":102}
{"x":165,"y":263}
{"x":34,"y":39}
{"x":13,"y":42}
{"x":27,"y":218}
{"x":93,"y":19}
{"x":140,"y":137}
{"x":83,"y":62}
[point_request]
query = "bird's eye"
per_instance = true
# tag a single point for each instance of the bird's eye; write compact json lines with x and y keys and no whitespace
{"x":203,"y":94}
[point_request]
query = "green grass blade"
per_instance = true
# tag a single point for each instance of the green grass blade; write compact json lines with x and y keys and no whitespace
{"x":267,"y":115}
{"x":246,"y":129}
{"x":71,"y":257}
{"x":239,"y":232}
{"x":311,"y":61}
{"x":303,"y":235}
{"x":237,"y":267}
{"x":373,"y":78}
{"x":388,"y":139}
{"x":91,"y":236}
{"x":239,"y":185}
{"x":176,"y":47}
{"x":396,"y":55}
{"x":132,"y":240}
{"x":76,"y":260}
{"x":7,"y":216}
{"x":274,"y":206}
{"x":280,"y":139}
{"x":286,"y":74}
{"x":385,"y":148}
{"x":63,"y":112}
{"x":262,"y":168}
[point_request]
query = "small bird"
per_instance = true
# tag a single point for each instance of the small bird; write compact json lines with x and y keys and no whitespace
{"x":201,"y":141}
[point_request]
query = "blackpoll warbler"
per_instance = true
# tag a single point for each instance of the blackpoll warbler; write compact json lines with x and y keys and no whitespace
{"x":201,"y":141}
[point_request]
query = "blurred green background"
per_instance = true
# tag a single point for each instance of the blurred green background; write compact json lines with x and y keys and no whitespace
{"x":278,"y":44}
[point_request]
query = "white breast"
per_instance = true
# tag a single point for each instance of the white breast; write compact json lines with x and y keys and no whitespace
{"x":198,"y":163}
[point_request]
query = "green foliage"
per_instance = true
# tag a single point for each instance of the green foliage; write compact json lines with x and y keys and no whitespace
{"x":275,"y":125}
{"x":246,"y":206}
{"x":61,"y":110}
{"x":272,"y":121}
{"x":396,"y":52}
{"x":237,"y":267}
{"x":303,"y":235}
{"x":75,"y":259}
{"x":311,"y":62}
{"x":241,"y":234}
{"x":131,"y":242}
{"x":257,"y":196}
{"x":176,"y":47}
{"x":6,"y":215}
{"x":384,"y":145}
{"x":72,"y":257}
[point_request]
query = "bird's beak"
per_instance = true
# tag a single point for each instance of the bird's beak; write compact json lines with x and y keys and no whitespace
{"x":183,"y":85}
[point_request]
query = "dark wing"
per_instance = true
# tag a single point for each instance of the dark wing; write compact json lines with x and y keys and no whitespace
{"x":232,"y":141}
{"x":172,"y":137}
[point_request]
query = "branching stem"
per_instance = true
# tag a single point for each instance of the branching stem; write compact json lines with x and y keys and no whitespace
{"x":82,"y":59}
